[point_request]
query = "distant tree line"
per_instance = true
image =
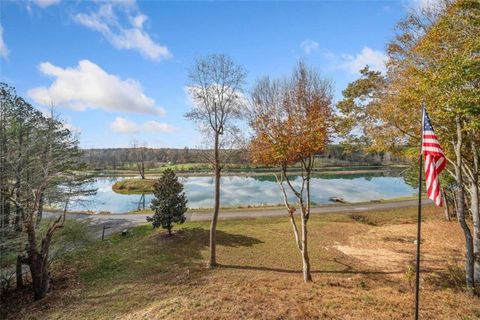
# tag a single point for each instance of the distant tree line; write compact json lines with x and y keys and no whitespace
{"x":127,"y":158}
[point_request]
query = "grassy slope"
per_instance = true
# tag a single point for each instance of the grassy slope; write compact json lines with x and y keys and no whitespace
{"x":145,"y":276}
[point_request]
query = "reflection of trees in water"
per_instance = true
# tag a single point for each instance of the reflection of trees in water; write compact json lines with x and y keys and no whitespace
{"x":112,"y":180}
{"x":410,"y":176}
{"x":347,"y":176}
{"x":269,"y":178}
{"x":141,"y":202}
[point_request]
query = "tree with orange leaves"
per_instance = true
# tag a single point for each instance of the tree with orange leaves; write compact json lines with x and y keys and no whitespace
{"x":291,"y":123}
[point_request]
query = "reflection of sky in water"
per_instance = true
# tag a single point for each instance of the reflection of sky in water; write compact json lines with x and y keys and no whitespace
{"x":244,"y":191}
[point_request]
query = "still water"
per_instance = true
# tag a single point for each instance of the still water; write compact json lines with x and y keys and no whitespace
{"x":252,"y":191}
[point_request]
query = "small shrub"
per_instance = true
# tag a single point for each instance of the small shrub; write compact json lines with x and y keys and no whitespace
{"x":363,"y":219}
{"x":454,"y":277}
{"x":409,"y":275}
{"x":363,"y":284}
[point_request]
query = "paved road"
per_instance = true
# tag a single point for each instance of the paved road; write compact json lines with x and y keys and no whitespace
{"x":117,"y":222}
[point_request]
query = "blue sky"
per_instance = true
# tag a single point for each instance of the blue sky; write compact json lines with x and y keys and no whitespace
{"x":116,"y":71}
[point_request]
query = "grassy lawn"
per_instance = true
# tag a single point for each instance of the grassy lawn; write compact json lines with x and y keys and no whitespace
{"x":362,"y":269}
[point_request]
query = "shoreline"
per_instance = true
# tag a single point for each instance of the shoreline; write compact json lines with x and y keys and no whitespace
{"x":252,"y":209}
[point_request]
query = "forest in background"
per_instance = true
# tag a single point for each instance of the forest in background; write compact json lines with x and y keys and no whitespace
{"x":127,"y":158}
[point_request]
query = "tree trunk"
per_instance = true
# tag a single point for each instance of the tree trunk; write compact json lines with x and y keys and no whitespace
{"x":474,"y":209}
{"x":291,"y":209}
{"x":37,"y":264}
{"x":307,"y":276}
{"x":476,"y":231}
{"x":469,"y":263}
{"x":19,"y":273}
{"x":38,"y":259}
{"x":295,"y":230}
{"x":446,"y":206}
{"x":455,"y":205}
{"x":469,"y":268}
{"x":40,"y":212}
{"x":18,"y":210}
{"x":213,"y":227}
{"x":40,"y":276}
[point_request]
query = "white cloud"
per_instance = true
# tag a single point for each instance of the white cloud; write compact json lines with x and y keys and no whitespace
{"x":45,"y":3}
{"x":124,"y":35}
{"x":154,"y":126}
{"x":138,"y":20}
{"x":375,"y":59}
{"x":125,"y":126}
{"x":308,"y":46}
{"x":3,"y":46}
{"x":89,"y":86}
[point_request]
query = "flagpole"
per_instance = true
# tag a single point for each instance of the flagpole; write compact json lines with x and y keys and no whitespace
{"x":419,"y":220}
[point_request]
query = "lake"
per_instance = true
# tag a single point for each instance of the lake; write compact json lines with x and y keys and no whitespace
{"x":252,"y":191}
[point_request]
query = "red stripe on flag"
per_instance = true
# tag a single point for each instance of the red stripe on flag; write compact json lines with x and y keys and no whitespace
{"x":428,"y":144}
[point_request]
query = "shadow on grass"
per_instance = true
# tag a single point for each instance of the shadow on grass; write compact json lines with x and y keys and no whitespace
{"x":142,"y":253}
{"x":187,"y":244}
{"x":452,"y":277}
{"x":344,"y":271}
{"x":223,"y":238}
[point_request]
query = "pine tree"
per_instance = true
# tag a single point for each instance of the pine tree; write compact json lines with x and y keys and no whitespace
{"x":170,"y":202}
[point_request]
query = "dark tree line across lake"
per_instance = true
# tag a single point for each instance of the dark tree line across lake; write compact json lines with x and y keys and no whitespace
{"x":127,"y":158}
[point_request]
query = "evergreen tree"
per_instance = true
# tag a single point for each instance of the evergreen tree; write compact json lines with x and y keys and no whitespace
{"x":170,"y":202}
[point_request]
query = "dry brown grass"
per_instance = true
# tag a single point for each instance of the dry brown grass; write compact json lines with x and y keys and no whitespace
{"x":359,"y":272}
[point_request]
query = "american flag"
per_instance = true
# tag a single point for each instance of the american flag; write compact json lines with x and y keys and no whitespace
{"x":435,"y":160}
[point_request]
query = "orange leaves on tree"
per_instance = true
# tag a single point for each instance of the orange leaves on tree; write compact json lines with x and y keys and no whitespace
{"x":291,"y":119}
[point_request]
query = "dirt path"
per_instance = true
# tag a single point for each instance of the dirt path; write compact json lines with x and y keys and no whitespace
{"x":118,"y":222}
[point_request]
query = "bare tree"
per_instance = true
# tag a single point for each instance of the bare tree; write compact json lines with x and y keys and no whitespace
{"x":216,"y":90}
{"x":139,"y":150}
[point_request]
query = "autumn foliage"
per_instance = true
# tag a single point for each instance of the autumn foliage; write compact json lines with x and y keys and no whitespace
{"x":291,"y":119}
